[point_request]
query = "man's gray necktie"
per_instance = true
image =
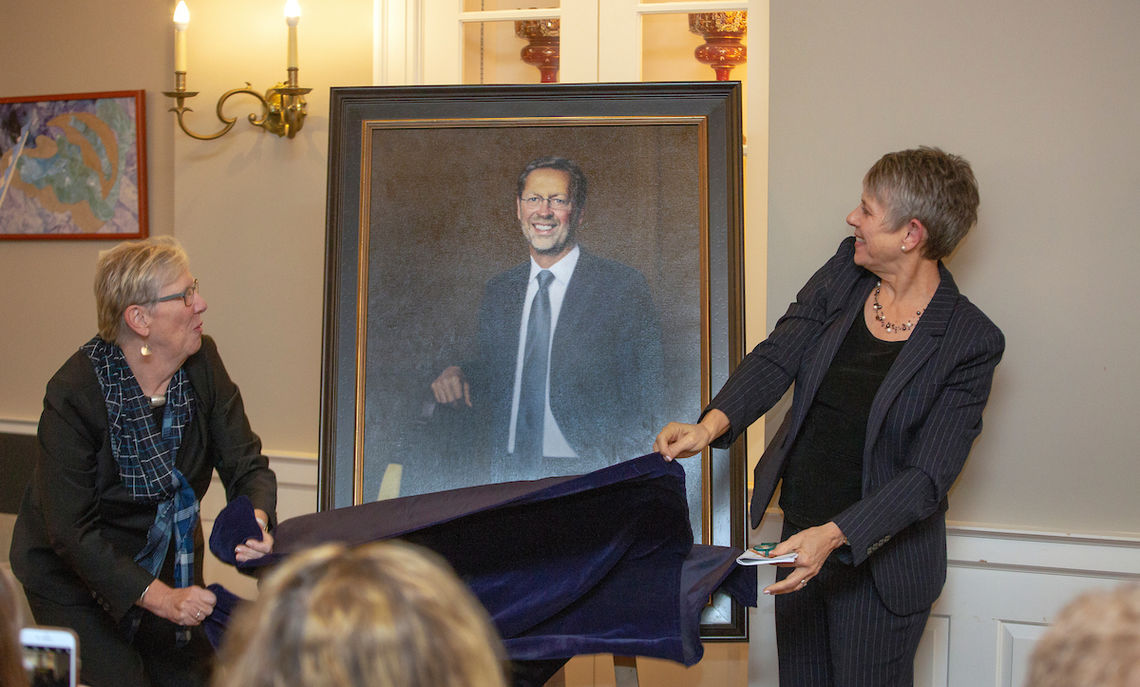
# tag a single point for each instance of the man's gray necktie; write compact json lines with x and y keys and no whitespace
{"x":532,"y":392}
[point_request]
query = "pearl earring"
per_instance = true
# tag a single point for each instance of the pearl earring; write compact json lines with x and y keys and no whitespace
{"x":902,"y":248}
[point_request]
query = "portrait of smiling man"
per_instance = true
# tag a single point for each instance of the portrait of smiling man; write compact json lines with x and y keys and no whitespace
{"x":567,"y":373}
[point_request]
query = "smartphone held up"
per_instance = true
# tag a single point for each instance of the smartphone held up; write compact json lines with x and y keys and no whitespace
{"x":51,"y":656}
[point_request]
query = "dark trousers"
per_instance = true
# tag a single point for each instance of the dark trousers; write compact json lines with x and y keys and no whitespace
{"x":107,"y":659}
{"x":836,"y":631}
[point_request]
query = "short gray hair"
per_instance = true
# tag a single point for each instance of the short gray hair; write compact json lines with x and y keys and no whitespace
{"x":932,"y":186}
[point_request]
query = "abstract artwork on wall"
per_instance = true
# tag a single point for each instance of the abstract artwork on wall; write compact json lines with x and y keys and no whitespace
{"x":73,"y":166}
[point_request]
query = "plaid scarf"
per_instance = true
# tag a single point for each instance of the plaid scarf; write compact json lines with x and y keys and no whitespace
{"x":145,"y":454}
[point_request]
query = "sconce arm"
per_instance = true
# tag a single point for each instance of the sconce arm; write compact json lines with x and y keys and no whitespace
{"x":282,"y":110}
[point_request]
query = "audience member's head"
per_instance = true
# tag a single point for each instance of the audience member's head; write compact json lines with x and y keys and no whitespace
{"x":386,"y":614}
{"x":1095,"y":640}
{"x":11,"y":620}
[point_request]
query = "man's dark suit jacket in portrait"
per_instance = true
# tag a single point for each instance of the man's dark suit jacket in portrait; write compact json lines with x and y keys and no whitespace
{"x":606,"y":378}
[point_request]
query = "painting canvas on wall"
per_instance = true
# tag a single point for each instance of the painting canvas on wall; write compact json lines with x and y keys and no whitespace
{"x":73,"y":166}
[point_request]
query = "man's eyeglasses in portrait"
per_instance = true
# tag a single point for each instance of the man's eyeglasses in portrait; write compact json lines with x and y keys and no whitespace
{"x":556,"y":203}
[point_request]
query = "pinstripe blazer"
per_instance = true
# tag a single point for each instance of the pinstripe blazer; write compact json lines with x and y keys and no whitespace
{"x":923,"y":419}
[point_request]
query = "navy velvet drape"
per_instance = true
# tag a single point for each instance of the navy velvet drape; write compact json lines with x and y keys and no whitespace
{"x":597,"y":563}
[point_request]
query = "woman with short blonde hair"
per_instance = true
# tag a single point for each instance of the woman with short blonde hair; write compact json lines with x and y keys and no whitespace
{"x":133,"y":272}
{"x":135,"y":423}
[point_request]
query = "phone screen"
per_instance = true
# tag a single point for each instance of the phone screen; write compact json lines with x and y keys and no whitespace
{"x":48,"y":666}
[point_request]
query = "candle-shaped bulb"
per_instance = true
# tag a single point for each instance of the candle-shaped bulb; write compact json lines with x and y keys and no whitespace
{"x":292,"y":12}
{"x":181,"y":15}
{"x":181,"y":21}
{"x":292,"y":17}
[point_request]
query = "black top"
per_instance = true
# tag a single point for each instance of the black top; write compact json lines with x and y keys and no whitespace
{"x":824,"y":473}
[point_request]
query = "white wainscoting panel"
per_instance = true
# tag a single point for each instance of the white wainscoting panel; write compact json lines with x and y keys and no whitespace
{"x":1003,"y":588}
{"x":1015,"y":645}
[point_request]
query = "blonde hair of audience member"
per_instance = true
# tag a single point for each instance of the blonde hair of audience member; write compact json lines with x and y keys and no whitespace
{"x":11,"y":620}
{"x":1095,"y":641}
{"x":385,"y":614}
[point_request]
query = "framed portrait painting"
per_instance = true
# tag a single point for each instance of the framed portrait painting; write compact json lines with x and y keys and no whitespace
{"x":441,"y":198}
{"x":73,"y":166}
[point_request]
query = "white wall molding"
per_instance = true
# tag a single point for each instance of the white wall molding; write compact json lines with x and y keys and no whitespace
{"x":1086,"y":555}
{"x":27,"y":426}
{"x":1003,"y":588}
{"x":15,"y":425}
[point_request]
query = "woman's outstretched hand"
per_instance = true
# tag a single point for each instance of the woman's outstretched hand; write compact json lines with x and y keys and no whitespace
{"x":681,"y":439}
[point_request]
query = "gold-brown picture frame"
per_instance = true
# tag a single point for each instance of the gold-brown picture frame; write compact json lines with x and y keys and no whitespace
{"x":421,"y":214}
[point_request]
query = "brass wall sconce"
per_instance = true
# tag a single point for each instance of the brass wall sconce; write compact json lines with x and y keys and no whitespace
{"x":724,"y":34}
{"x":282,"y":107}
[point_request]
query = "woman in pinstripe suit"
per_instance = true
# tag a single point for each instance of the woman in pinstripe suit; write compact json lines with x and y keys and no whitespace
{"x":892,"y":368}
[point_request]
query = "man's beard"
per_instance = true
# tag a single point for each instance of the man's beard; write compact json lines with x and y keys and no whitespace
{"x":556,"y":248}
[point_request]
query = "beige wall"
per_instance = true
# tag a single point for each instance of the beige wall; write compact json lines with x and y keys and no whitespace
{"x":1042,"y":97}
{"x":55,"y":46}
{"x":249,"y":207}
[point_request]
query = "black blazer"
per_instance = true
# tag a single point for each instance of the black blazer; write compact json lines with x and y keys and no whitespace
{"x":606,"y":378}
{"x":922,"y":423}
{"x":79,"y":529}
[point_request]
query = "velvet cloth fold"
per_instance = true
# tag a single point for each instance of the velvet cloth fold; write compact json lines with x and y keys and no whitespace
{"x":597,"y":563}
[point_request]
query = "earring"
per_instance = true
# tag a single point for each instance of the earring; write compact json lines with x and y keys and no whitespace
{"x":145,"y":350}
{"x":902,"y":248}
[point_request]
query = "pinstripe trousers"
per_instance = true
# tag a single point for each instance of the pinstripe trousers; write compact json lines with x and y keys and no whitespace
{"x":836,"y":631}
